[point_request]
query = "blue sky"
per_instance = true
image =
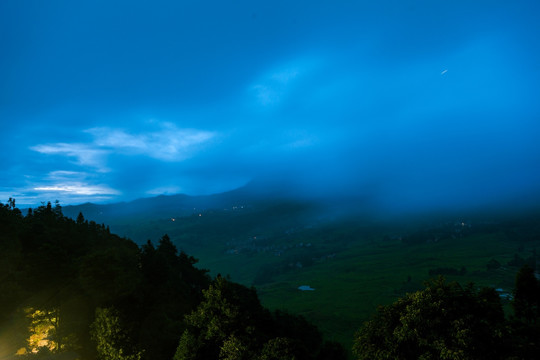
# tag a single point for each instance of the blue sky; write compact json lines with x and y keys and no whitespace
{"x":416,"y":103}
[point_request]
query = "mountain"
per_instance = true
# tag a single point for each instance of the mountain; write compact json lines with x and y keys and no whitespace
{"x":179,"y":204}
{"x":252,"y":209}
{"x":256,"y":195}
{"x":277,"y":240}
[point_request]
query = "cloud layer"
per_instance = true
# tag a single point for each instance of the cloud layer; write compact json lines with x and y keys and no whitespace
{"x":416,"y":104}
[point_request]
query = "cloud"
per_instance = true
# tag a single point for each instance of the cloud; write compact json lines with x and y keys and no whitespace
{"x":64,"y":175}
{"x":117,"y":139}
{"x":73,"y":183}
{"x":102,"y":162}
{"x":285,"y":76}
{"x":297,"y":139}
{"x":111,"y":153}
{"x":79,"y":189}
{"x":167,"y":190}
{"x":86,"y":154}
{"x":300,"y":143}
{"x":65,"y":192}
{"x":20,"y":196}
{"x":167,"y":144}
{"x":265,"y":95}
{"x":272,"y":86}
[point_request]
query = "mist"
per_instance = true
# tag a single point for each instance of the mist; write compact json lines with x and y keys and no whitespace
{"x":402,"y":108}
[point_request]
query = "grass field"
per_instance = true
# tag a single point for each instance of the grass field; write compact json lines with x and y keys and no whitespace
{"x":365,"y":272}
{"x":353,"y":265}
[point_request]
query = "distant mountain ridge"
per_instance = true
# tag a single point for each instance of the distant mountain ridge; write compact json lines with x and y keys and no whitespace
{"x":262,"y":193}
{"x":184,"y":205}
{"x":256,"y":207}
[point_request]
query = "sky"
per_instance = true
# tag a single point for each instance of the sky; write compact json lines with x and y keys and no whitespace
{"x":413,"y":103}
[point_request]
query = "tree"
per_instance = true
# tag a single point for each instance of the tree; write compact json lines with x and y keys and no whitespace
{"x":234,"y":348}
{"x":332,"y":350}
{"x":80,"y":219}
{"x":526,"y":302}
{"x":90,"y":294}
{"x":172,"y":288}
{"x":58,"y":209}
{"x":281,"y":349}
{"x":110,"y":275}
{"x":111,"y":340}
{"x":230,"y":323}
{"x":525,"y":325}
{"x":47,"y":332}
{"x":443,"y":321}
{"x":227,"y":319}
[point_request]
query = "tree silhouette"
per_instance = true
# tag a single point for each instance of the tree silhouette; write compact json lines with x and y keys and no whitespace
{"x":443,"y":321}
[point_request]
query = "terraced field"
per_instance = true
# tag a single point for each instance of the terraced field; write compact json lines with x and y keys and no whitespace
{"x":354,"y":265}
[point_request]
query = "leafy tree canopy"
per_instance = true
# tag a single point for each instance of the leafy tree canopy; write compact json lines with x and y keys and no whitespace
{"x":230,"y":323}
{"x":443,"y":321}
{"x":70,"y":289}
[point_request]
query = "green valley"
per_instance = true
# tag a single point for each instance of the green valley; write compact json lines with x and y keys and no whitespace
{"x":353,"y":263}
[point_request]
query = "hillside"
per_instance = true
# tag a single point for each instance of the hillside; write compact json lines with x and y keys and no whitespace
{"x":354,"y":262}
{"x":73,"y":290}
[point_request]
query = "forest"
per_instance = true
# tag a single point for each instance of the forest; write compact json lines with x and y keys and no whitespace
{"x":71,"y":289}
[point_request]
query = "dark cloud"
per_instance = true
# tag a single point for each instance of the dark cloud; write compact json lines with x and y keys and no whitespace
{"x":416,"y":104}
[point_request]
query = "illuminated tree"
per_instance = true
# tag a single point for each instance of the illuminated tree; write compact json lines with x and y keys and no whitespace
{"x":46,"y":333}
{"x":43,"y":329}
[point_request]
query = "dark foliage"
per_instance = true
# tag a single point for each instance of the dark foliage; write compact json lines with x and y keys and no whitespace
{"x":443,"y":321}
{"x":230,"y":323}
{"x":70,"y":268}
{"x":493,"y":265}
{"x":447,"y":271}
{"x":519,"y":261}
{"x":94,"y":295}
{"x":448,"y":321}
{"x":525,"y":325}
